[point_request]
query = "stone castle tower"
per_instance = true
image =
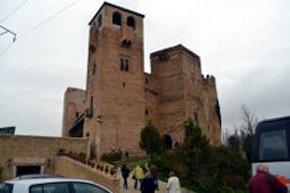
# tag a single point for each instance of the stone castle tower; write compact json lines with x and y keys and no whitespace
{"x":120,"y":98}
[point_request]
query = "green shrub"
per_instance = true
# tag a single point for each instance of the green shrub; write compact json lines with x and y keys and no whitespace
{"x":112,"y":156}
{"x":204,"y":168}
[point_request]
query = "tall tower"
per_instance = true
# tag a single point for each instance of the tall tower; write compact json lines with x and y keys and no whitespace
{"x":182,"y":92}
{"x":115,"y":99}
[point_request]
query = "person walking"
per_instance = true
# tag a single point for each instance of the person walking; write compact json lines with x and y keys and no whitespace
{"x":138,"y":175}
{"x":125,"y":174}
{"x":153,"y":171}
{"x":148,"y":184}
{"x":264,"y":182}
{"x":173,"y":185}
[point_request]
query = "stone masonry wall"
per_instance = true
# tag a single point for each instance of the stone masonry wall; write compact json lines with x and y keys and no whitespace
{"x":30,"y":150}
{"x":74,"y":107}
{"x":181,"y":92}
{"x":117,"y":94}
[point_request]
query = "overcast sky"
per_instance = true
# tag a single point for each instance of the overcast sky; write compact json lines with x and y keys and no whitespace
{"x":245,"y":44}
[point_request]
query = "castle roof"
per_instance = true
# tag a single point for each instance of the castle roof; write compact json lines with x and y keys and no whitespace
{"x":179,"y":46}
{"x":117,"y":7}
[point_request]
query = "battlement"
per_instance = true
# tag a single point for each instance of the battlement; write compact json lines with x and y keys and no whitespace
{"x":208,"y":79}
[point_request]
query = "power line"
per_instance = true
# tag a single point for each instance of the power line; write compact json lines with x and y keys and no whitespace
{"x":8,"y":31}
{"x":36,"y":26}
{"x":49,"y":18}
{"x":13,"y":11}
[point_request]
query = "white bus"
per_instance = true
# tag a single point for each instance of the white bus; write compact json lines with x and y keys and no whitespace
{"x":272,"y":148}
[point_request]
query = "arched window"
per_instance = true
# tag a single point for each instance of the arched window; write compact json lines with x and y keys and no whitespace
{"x":131,"y":22}
{"x":117,"y":19}
{"x":167,"y":140}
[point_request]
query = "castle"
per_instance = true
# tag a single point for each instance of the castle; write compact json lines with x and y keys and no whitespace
{"x":120,"y":98}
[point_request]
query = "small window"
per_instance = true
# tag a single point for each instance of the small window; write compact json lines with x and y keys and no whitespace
{"x":92,"y":104}
{"x":124,"y":64}
{"x":100,"y":21}
{"x":92,"y":48}
{"x":85,"y":188}
{"x":131,"y":22}
{"x":273,"y":146}
{"x":117,"y":19}
{"x":77,"y":114}
{"x":146,"y":112}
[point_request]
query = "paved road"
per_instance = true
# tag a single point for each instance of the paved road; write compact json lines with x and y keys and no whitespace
{"x":162,"y":187}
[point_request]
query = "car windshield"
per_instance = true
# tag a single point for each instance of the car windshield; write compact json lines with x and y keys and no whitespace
{"x":6,"y":188}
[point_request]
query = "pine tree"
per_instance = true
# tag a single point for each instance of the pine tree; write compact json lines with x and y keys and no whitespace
{"x":150,"y":140}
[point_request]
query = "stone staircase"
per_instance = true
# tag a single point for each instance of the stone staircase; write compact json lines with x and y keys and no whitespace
{"x":69,"y":167}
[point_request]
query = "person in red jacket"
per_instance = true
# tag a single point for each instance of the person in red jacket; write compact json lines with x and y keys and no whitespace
{"x":264,"y":182}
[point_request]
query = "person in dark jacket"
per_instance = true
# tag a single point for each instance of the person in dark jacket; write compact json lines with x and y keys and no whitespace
{"x":264,"y":182}
{"x":148,"y":184}
{"x":125,"y":173}
{"x":153,"y":171}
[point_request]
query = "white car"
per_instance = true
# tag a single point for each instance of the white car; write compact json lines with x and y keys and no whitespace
{"x":51,"y":185}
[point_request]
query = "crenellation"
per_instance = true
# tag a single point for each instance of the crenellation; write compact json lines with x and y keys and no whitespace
{"x":209,"y":80}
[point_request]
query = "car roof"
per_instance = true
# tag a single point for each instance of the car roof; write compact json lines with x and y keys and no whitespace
{"x":29,"y":182}
{"x":36,"y":176}
{"x":44,"y":180}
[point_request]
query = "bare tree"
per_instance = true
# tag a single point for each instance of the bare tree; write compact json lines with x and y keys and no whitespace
{"x":247,"y":129}
{"x":243,"y":138}
{"x":249,"y":120}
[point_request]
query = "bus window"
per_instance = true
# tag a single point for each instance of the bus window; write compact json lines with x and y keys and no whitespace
{"x":273,"y":146}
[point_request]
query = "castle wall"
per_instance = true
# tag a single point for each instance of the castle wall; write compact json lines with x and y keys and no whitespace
{"x":214,"y":125}
{"x":74,"y":107}
{"x":183,"y":93}
{"x":151,"y":99}
{"x":168,"y":83}
{"x":31,"y":150}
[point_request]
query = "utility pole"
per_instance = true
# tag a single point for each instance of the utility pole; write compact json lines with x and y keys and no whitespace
{"x":8,"y":31}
